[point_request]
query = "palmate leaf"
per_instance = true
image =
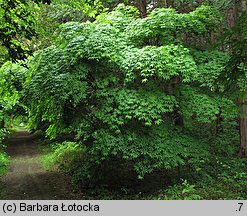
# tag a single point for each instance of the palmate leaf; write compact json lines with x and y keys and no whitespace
{"x":168,"y":25}
{"x":115,"y":88}
{"x":159,"y":148}
{"x":119,"y":106}
{"x":164,"y":62}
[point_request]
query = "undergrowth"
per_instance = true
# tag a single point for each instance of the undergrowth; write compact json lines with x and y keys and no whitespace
{"x":218,"y":178}
{"x":4,"y":159}
{"x":65,"y":156}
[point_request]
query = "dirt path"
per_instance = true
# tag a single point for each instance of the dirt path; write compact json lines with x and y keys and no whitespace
{"x":27,"y":179}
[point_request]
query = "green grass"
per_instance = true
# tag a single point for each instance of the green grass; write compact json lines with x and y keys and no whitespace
{"x":48,"y":163}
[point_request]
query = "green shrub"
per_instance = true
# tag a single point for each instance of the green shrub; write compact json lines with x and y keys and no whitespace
{"x":66,"y":156}
{"x":183,"y":191}
{"x":4,"y":159}
{"x":227,"y":144}
{"x":112,"y":85}
{"x":3,"y":134}
{"x":4,"y":162}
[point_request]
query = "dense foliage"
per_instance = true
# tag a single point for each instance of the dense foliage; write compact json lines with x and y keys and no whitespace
{"x":17,"y":26}
{"x":119,"y":91}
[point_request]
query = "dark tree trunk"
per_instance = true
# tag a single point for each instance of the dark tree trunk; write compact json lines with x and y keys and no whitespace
{"x":219,"y":121}
{"x":177,"y":115}
{"x":142,"y":5}
{"x":2,"y":123}
{"x":243,"y":132}
{"x":162,"y":3}
{"x":242,"y":7}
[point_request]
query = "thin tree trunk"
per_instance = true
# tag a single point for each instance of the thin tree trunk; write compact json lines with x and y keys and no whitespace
{"x":143,"y":7}
{"x":243,"y":117}
{"x":2,"y":123}
{"x":219,"y":120}
{"x":243,"y":131}
{"x":177,"y":116}
{"x":162,"y":3}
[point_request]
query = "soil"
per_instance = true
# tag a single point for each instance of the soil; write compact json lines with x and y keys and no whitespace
{"x":27,"y":179}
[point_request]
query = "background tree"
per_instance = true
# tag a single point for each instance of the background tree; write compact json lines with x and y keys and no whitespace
{"x":235,"y":74}
{"x":240,"y":66}
{"x":17,"y":27}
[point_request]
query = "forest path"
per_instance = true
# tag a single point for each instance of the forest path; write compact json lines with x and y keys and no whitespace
{"x":27,"y":179}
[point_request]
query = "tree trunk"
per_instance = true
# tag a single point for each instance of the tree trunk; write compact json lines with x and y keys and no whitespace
{"x":1,"y":123}
{"x":162,"y":3}
{"x":219,"y":120}
{"x":242,"y":7}
{"x":142,"y":5}
{"x":177,"y":115}
{"x":243,"y":132}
